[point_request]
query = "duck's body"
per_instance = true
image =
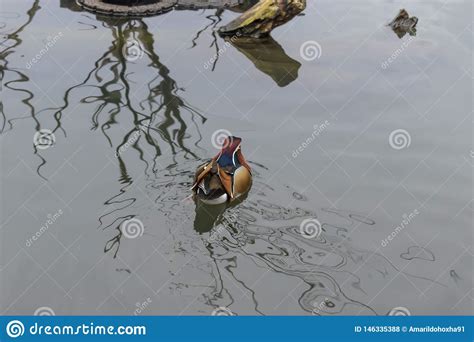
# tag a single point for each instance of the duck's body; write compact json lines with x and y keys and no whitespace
{"x":225,"y":177}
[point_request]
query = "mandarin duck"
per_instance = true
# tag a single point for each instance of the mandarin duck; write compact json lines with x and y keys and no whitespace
{"x":226,"y":177}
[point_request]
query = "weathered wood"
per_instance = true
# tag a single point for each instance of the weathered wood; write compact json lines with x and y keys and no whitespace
{"x":403,"y":24}
{"x":262,"y":18}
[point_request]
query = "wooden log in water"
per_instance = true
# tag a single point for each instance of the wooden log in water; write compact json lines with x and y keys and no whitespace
{"x":262,"y":18}
{"x":403,"y":24}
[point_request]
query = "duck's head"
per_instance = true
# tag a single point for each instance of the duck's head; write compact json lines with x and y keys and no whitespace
{"x":224,"y":178}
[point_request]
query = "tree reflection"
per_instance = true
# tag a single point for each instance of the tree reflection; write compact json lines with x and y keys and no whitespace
{"x":11,"y":43}
{"x":159,"y":117}
{"x":150,"y":118}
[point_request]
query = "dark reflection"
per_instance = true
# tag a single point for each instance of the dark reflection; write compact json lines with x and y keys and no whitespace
{"x":15,"y":80}
{"x":269,"y":57}
{"x":266,"y":54}
{"x":155,"y":120}
{"x":214,"y":19}
{"x":155,"y":107}
{"x":206,"y":216}
{"x":156,"y":113}
{"x":209,"y":216}
{"x":71,"y":5}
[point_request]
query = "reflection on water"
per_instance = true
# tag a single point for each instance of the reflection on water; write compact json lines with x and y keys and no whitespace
{"x":209,"y":216}
{"x":143,"y":117}
{"x":11,"y":42}
{"x":337,"y":276}
{"x":156,"y":110}
{"x":270,"y":58}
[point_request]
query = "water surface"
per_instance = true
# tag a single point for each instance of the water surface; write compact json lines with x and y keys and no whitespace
{"x":128,"y":135}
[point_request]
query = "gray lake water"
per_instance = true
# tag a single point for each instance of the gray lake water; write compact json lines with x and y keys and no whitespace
{"x":370,"y":135}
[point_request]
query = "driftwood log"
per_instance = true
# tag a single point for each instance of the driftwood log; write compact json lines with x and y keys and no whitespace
{"x":403,"y":24}
{"x":263,"y":17}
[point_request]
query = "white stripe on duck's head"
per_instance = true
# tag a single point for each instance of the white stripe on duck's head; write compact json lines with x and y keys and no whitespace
{"x":226,"y":177}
